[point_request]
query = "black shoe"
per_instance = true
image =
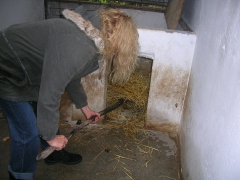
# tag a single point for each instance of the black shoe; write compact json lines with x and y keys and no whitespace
{"x":11,"y":176}
{"x":63,"y":156}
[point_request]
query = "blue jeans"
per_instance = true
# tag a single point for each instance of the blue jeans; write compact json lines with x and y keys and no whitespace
{"x":24,"y":135}
{"x":21,"y":117}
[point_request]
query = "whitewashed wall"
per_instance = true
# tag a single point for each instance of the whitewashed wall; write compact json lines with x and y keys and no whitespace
{"x":172,"y":53}
{"x":210,"y":131}
{"x":20,"y":11}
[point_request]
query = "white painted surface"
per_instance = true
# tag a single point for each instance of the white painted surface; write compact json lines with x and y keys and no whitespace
{"x":172,"y":53}
{"x":210,"y":132}
{"x":147,"y":19}
{"x":20,"y":11}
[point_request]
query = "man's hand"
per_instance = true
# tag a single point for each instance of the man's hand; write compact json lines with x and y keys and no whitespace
{"x":59,"y":142}
{"x":89,"y":113}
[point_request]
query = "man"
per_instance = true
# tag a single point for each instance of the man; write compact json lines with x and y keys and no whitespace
{"x":39,"y":60}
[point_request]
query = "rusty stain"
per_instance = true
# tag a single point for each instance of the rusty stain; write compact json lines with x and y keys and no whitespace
{"x":168,"y":86}
{"x":164,"y":127}
{"x":171,"y":85}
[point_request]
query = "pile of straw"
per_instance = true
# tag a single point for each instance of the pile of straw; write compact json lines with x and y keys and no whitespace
{"x":135,"y":93}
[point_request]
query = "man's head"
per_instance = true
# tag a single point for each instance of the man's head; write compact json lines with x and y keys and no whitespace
{"x":121,"y":46}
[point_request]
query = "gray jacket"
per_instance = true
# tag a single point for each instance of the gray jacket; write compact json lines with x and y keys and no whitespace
{"x":39,"y":60}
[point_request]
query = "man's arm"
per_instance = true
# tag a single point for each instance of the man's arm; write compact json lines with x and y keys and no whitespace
{"x":89,"y":113}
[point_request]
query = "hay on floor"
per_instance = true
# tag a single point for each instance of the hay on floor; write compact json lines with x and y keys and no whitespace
{"x":131,"y":115}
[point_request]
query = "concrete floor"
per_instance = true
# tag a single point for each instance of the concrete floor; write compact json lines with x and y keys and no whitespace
{"x":109,"y":153}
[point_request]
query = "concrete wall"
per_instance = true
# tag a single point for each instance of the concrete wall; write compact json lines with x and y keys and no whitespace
{"x":210,"y":130}
{"x":172,"y":53}
{"x":20,"y":11}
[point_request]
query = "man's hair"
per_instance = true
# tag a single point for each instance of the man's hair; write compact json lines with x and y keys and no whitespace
{"x":121,"y":46}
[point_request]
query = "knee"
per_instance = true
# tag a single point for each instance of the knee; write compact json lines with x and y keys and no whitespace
{"x":32,"y":134}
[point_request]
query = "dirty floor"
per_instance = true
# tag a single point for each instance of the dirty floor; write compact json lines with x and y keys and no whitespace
{"x":108,"y":154}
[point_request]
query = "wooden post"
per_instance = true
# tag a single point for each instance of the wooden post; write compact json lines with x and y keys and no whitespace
{"x":173,"y":13}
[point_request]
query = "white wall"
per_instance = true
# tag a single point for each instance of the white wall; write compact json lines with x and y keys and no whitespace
{"x":172,"y":53}
{"x":210,"y":131}
{"x":20,"y":11}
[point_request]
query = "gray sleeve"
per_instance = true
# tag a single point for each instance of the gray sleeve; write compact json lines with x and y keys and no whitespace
{"x":66,"y":54}
{"x":53,"y":82}
{"x":77,"y":93}
{"x":59,"y":68}
{"x":75,"y":88}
